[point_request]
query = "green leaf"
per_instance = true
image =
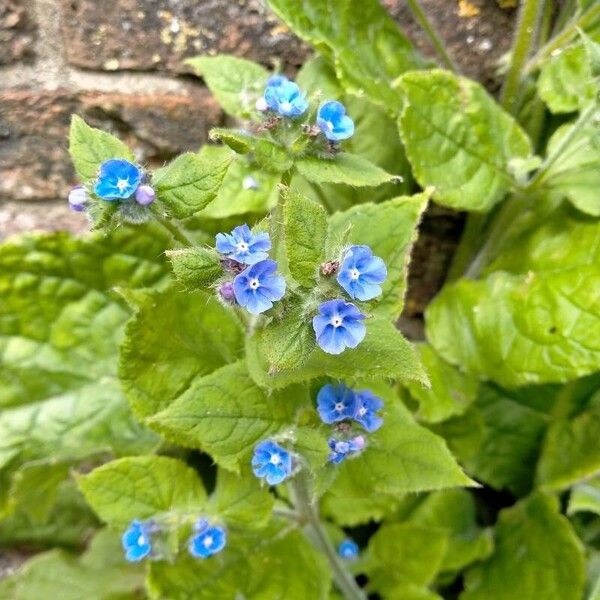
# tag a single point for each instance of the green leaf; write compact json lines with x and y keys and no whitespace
{"x":537,"y":556}
{"x":235,"y":82}
{"x":368,"y":52}
{"x":585,"y":497}
{"x":156,"y":368}
{"x":267,"y":566}
{"x":570,"y":452}
{"x":343,"y":168}
{"x":225,"y":414}
{"x":565,"y":82}
{"x":576,"y":174}
{"x":100,"y":573}
{"x":90,"y":147}
{"x":459,"y":140}
{"x":60,"y":327}
{"x":383,"y":353}
{"x":305,"y":226}
{"x":191,"y":181}
{"x":195,"y":268}
{"x":141,"y":487}
{"x":451,"y":391}
{"x":238,"y":140}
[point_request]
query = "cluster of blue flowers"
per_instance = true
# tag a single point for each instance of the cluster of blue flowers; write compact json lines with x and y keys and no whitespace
{"x":257,"y":284}
{"x":340,"y":404}
{"x":117,"y":180}
{"x":285,"y":98}
{"x":206,"y":540}
{"x":339,"y":324}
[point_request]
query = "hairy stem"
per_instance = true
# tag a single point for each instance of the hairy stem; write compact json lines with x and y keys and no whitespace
{"x":432,"y":34}
{"x":344,"y":580}
{"x":177,"y":233}
{"x":525,"y":34}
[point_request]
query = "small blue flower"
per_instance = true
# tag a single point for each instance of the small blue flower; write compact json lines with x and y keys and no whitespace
{"x":118,"y":179}
{"x":285,"y":98}
{"x":208,"y":540}
{"x":336,"y":403}
{"x":366,"y":410}
{"x":258,"y":287}
{"x":271,"y":462}
{"x":136,"y":541}
{"x":333,"y":121}
{"x":244,"y":246}
{"x":361,"y":273}
{"x":339,"y":326}
{"x":341,"y":449}
{"x":348,"y":549}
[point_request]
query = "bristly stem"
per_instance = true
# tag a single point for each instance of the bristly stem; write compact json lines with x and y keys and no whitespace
{"x":432,"y":34}
{"x":524,"y":37}
{"x":344,"y":580}
{"x":175,"y":231}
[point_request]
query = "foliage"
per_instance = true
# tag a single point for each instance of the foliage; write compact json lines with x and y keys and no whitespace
{"x":154,"y":378}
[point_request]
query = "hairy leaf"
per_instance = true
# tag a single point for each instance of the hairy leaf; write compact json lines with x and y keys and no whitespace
{"x":195,"y":268}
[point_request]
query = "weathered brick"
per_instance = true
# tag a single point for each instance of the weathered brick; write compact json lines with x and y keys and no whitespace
{"x":34,"y":162}
{"x":17,"y":31}
{"x":149,"y":35}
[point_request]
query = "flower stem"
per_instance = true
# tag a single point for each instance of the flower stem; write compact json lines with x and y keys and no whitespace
{"x":525,"y":34}
{"x":175,"y":231}
{"x":344,"y":580}
{"x":432,"y":34}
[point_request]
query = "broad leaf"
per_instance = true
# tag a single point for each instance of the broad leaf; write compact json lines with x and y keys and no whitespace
{"x":537,"y":556}
{"x":195,"y":268}
{"x":235,"y":82}
{"x":459,"y":140}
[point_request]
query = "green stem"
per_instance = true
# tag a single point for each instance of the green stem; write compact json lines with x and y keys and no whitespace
{"x":583,"y":21}
{"x":432,"y":34}
{"x":344,"y":580}
{"x":175,"y":231}
{"x":469,"y":242}
{"x":565,"y":142}
{"x":529,"y":16}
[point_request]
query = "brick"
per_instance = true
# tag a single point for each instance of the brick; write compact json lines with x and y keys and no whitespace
{"x":17,"y":32}
{"x":34,"y":162}
{"x":149,"y":35}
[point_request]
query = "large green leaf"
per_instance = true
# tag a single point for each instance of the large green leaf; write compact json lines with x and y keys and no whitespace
{"x":236,"y":83}
{"x":173,"y":340}
{"x":60,"y":328}
{"x":537,"y":556}
{"x":226,"y":414}
{"x":459,"y":140}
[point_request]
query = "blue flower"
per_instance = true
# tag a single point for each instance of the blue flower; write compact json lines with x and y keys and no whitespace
{"x":335,"y":403}
{"x":244,"y":246}
{"x":208,"y":540}
{"x":118,"y":179}
{"x":136,"y":541}
{"x":258,"y":287}
{"x":285,"y":98}
{"x":341,"y":449}
{"x":333,"y":121}
{"x":348,"y":549}
{"x":339,"y":326}
{"x":271,"y":462}
{"x":361,"y":273}
{"x":367,"y":406}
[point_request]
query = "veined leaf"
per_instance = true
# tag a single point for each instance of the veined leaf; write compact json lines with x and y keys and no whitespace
{"x":195,"y":268}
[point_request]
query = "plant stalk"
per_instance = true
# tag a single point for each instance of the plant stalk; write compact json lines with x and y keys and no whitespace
{"x":525,"y":35}
{"x":175,"y":231}
{"x":432,"y":34}
{"x":344,"y":580}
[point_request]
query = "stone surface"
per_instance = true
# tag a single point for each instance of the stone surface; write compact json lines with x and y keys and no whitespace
{"x":147,"y":35}
{"x":34,"y":162}
{"x":17,"y":31}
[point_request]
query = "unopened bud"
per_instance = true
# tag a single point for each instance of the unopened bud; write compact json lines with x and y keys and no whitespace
{"x":261,"y":105}
{"x":226,"y":293}
{"x":330,"y":267}
{"x":77,"y":198}
{"x":145,"y":195}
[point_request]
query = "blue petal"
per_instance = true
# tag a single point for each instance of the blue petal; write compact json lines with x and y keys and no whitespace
{"x":364,"y":291}
{"x":276,"y":475}
{"x":319,"y":324}
{"x":224,"y":243}
{"x":343,"y":129}
{"x":331,"y":111}
{"x":332,"y":340}
{"x":354,"y":333}
{"x":273,"y":287}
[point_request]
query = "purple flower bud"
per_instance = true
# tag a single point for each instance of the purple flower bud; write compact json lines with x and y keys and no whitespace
{"x":145,"y":195}
{"x":77,"y":198}
{"x":226,"y":293}
{"x":358,"y":443}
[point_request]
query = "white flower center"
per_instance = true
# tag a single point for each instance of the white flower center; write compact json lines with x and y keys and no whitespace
{"x":329,"y":125}
{"x":141,"y":541}
{"x":275,"y":459}
{"x":242,"y":246}
{"x":336,"y":321}
{"x":254,"y":284}
{"x":122,"y":184}
{"x":354,"y":274}
{"x":339,"y":407}
{"x":362,"y":411}
{"x":286,"y":106}
{"x":207,"y":541}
